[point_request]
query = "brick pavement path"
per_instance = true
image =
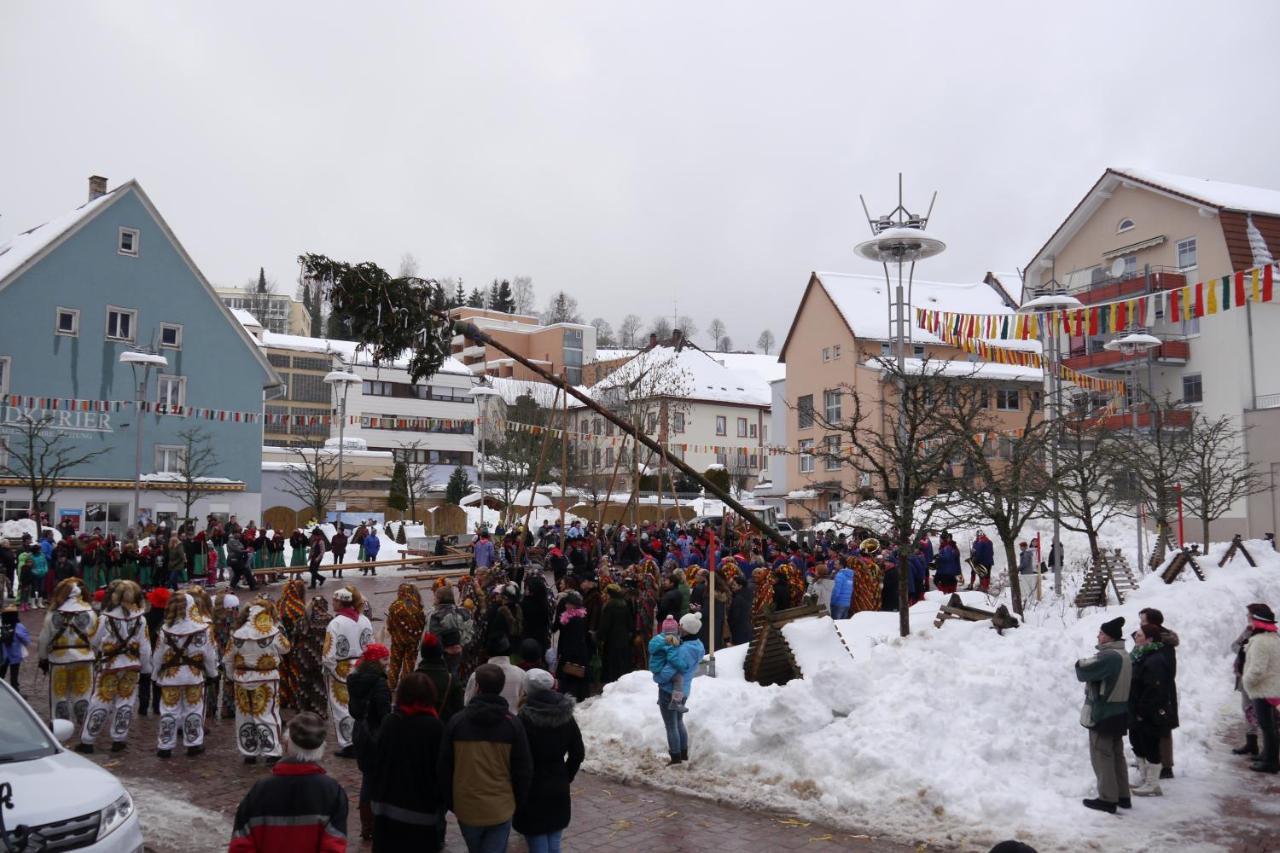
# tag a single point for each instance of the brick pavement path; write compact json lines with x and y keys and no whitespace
{"x":200,"y":794}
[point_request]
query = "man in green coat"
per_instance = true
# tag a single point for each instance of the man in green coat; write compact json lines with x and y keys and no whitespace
{"x":1106,"y":715}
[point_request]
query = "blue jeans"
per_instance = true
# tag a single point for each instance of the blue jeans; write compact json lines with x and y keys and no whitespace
{"x":549,"y":843}
{"x":677,"y":734}
{"x":839,"y":611}
{"x":486,"y":839}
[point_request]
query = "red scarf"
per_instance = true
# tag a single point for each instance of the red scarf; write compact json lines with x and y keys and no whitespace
{"x":348,"y":612}
{"x":417,"y":710}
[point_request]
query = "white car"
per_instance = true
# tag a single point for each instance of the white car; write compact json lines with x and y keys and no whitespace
{"x":785,"y":528}
{"x":59,"y":800}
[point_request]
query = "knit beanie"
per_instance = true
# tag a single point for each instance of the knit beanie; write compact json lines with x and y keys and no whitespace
{"x":1115,"y":628}
{"x":375,"y":651}
{"x":539,"y":679}
{"x":669,"y":626}
{"x":431,"y":647}
{"x":691,"y":623}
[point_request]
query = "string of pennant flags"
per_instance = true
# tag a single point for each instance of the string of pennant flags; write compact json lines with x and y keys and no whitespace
{"x":1022,"y":358}
{"x":1204,"y":298}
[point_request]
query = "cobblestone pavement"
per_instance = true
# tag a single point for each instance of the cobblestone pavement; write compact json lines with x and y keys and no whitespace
{"x":187,"y":804}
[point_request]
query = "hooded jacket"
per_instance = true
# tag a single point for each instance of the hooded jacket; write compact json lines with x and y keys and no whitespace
{"x":403,"y":786}
{"x":555,"y":743}
{"x":1261,"y":676}
{"x":1106,"y":678}
{"x":297,"y":807}
{"x":485,"y":765}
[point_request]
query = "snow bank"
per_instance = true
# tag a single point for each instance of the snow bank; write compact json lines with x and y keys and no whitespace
{"x":956,"y":735}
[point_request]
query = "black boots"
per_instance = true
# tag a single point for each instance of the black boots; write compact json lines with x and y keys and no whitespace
{"x":1100,"y":805}
{"x":675,"y":759}
{"x":84,"y":748}
{"x":1250,"y":746}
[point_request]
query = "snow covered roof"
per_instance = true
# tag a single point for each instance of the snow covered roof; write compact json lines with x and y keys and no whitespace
{"x":863,"y":301}
{"x":614,"y":353}
{"x":246,"y":319}
{"x":1213,"y":193}
{"x":349,"y":351}
{"x":969,"y":369}
{"x":688,"y":373}
{"x":20,"y":248}
{"x":511,"y":390}
{"x":1010,"y":283}
{"x":767,"y":367}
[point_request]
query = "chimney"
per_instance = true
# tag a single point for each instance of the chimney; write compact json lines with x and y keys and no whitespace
{"x":97,"y":187}
{"x":653,"y":340}
{"x":677,"y":339}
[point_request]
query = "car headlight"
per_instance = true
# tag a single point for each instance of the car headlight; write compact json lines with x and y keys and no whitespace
{"x":113,"y":816}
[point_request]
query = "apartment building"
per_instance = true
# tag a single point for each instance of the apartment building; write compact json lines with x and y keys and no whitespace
{"x":561,"y":348}
{"x":838,"y":336}
{"x":281,"y":315}
{"x":1138,"y":232}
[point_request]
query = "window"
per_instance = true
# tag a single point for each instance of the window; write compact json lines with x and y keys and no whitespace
{"x":376,"y":388}
{"x":651,"y":424}
{"x":1130,"y":267}
{"x":1187,"y":253}
{"x":721,"y":425}
{"x":67,"y":322}
{"x":608,"y":457}
{"x":742,"y":427}
{"x":886,"y":350}
{"x":128,"y":244}
{"x":573,"y":356}
{"x":835,"y":351}
{"x":169,"y":458}
{"x":806,"y":456}
{"x":584,"y":458}
{"x":5,"y":367}
{"x":826,"y":353}
{"x":831,"y":452}
{"x":831,"y":405}
{"x":595,"y":457}
{"x":1126,"y":224}
{"x":677,"y":422}
{"x":171,"y":335}
{"x":804,"y":411}
{"x":121,"y":323}
{"x":4,"y":452}
{"x":917,"y":350}
{"x":171,"y":391}
{"x":751,"y":433}
{"x":1192,"y":388}
{"x":110,"y":517}
{"x":1007,"y":399}
{"x":308,"y":388}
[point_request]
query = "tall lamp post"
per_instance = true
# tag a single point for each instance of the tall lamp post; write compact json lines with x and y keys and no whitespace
{"x":341,"y":380}
{"x":480,"y":393}
{"x":137,"y":359}
{"x":1048,"y":308}
{"x":1130,"y":345}
{"x":899,"y":239}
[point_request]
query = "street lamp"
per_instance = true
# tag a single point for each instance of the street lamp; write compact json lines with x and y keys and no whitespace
{"x":1048,"y":308}
{"x":1132,"y":344}
{"x":478,"y":393}
{"x":344,"y":380}
{"x":145,"y":360}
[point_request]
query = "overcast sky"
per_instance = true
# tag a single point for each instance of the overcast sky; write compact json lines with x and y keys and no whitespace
{"x":632,"y":154}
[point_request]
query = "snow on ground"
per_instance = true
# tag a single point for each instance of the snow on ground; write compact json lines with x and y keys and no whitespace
{"x":173,"y":823}
{"x":956,"y":735}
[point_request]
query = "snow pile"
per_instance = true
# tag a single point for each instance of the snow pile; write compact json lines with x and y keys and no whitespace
{"x":956,"y":735}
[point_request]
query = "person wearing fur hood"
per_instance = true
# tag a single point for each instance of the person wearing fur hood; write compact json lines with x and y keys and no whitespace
{"x":124,"y":660}
{"x":345,"y":639}
{"x":252,"y":663}
{"x":184,"y":661}
{"x":65,"y":651}
{"x":1261,"y":681}
{"x":555,"y":741}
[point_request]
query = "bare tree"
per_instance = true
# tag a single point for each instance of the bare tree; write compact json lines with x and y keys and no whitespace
{"x":312,"y":477}
{"x":1155,"y":462}
{"x":604,"y":332}
{"x":522,"y":294}
{"x":715,"y":330}
{"x":901,"y":442}
{"x":661,"y":328}
{"x":196,"y":464}
{"x":1216,"y":472}
{"x":408,"y":265}
{"x":1005,"y":481}
{"x":514,"y":444}
{"x":765,"y":341}
{"x":629,"y":329}
{"x":41,"y":457}
{"x":687,"y":327}
{"x":1089,"y":481}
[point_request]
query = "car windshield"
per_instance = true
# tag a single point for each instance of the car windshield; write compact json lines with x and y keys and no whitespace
{"x":22,"y":737}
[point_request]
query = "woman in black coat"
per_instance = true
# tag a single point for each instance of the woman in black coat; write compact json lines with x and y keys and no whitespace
{"x":740,"y":612}
{"x":535,"y":610}
{"x":573,"y":649}
{"x":369,"y":700}
{"x":1152,"y":704}
{"x":404,"y":793}
{"x":555,"y":743}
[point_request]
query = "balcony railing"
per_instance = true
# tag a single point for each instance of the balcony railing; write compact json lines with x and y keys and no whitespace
{"x":1169,"y":352}
{"x":1175,"y":419}
{"x":1110,"y":288}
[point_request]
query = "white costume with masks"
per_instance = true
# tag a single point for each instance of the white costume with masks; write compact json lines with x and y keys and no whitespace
{"x":252,"y":663}
{"x":66,"y":643}
{"x":344,"y":642}
{"x":185,"y":656}
{"x":124,"y":655}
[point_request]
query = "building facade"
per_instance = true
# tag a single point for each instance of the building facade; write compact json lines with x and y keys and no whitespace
{"x":77,"y":293}
{"x":1138,"y":232}
{"x":279,"y":314}
{"x":561,"y":348}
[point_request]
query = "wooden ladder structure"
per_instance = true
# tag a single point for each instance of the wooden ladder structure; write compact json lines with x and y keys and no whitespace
{"x":1237,"y":547}
{"x":1182,"y":558}
{"x":1109,"y":569}
{"x":769,"y":657}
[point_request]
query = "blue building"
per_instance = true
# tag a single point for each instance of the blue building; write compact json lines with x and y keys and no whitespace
{"x":76,"y":293}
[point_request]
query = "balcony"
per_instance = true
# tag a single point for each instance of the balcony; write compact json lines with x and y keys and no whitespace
{"x":1108,"y":289}
{"x":1177,"y":419}
{"x":1169,"y":352}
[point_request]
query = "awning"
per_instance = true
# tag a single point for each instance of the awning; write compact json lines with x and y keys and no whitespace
{"x":1134,"y":247}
